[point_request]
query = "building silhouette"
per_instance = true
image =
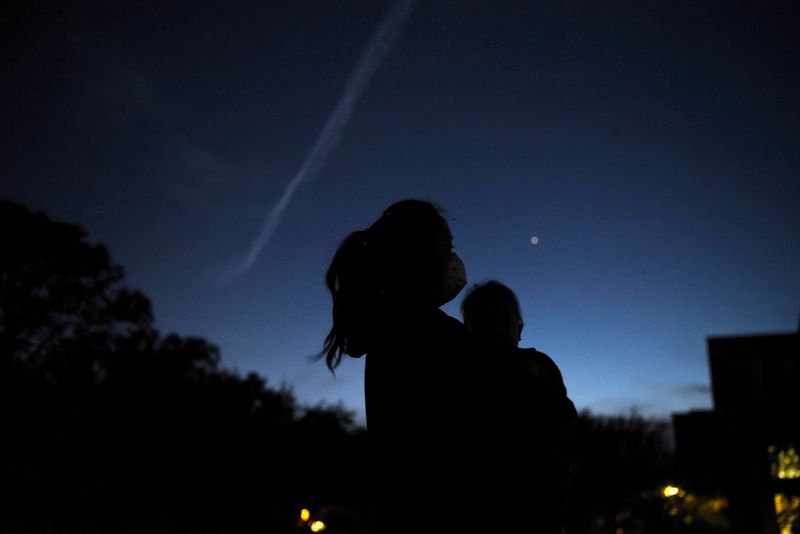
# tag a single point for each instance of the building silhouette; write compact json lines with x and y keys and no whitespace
{"x":745,"y":449}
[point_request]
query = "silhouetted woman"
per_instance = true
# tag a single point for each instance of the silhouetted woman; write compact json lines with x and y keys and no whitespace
{"x":387,"y":283}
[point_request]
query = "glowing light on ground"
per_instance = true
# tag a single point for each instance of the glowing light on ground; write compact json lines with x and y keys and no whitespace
{"x":785,"y":463}
{"x":787,"y":511}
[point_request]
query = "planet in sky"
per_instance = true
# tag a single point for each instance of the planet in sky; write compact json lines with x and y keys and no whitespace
{"x":534,"y":240}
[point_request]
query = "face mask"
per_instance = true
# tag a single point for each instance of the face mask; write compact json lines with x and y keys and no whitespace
{"x":455,"y":281}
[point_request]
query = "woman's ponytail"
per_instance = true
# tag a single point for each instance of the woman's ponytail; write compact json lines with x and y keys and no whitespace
{"x":349,"y":285}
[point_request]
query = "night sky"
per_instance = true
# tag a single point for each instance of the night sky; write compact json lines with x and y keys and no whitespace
{"x":652,"y":147}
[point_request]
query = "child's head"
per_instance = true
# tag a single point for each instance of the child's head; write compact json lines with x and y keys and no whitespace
{"x":491,"y":311}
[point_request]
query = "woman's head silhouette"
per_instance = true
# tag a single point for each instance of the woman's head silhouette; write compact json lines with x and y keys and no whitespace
{"x":403,"y":262}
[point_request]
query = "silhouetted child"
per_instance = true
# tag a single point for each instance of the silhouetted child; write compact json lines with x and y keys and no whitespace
{"x":492,"y":313}
{"x":533,"y":415}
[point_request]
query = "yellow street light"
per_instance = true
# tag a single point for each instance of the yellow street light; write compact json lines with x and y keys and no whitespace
{"x":317,"y":526}
{"x":671,"y":491}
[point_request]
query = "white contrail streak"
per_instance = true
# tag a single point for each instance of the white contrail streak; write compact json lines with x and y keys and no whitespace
{"x":379,"y":44}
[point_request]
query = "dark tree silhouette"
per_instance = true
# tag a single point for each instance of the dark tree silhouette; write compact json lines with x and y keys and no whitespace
{"x":622,"y":462}
{"x":63,"y":316}
{"x":107,"y":424}
{"x":58,"y":291}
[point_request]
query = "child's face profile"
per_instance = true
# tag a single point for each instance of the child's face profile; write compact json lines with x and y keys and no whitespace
{"x":501,"y":326}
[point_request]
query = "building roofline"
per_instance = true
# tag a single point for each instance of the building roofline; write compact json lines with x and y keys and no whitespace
{"x":753,"y":335}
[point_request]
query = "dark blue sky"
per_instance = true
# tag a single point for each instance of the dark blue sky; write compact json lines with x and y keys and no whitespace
{"x":651,"y":146}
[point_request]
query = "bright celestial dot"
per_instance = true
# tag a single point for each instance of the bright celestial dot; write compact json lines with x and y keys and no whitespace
{"x":535,"y":240}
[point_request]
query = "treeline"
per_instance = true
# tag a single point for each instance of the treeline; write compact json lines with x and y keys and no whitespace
{"x":622,"y":465}
{"x":109,"y":425}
